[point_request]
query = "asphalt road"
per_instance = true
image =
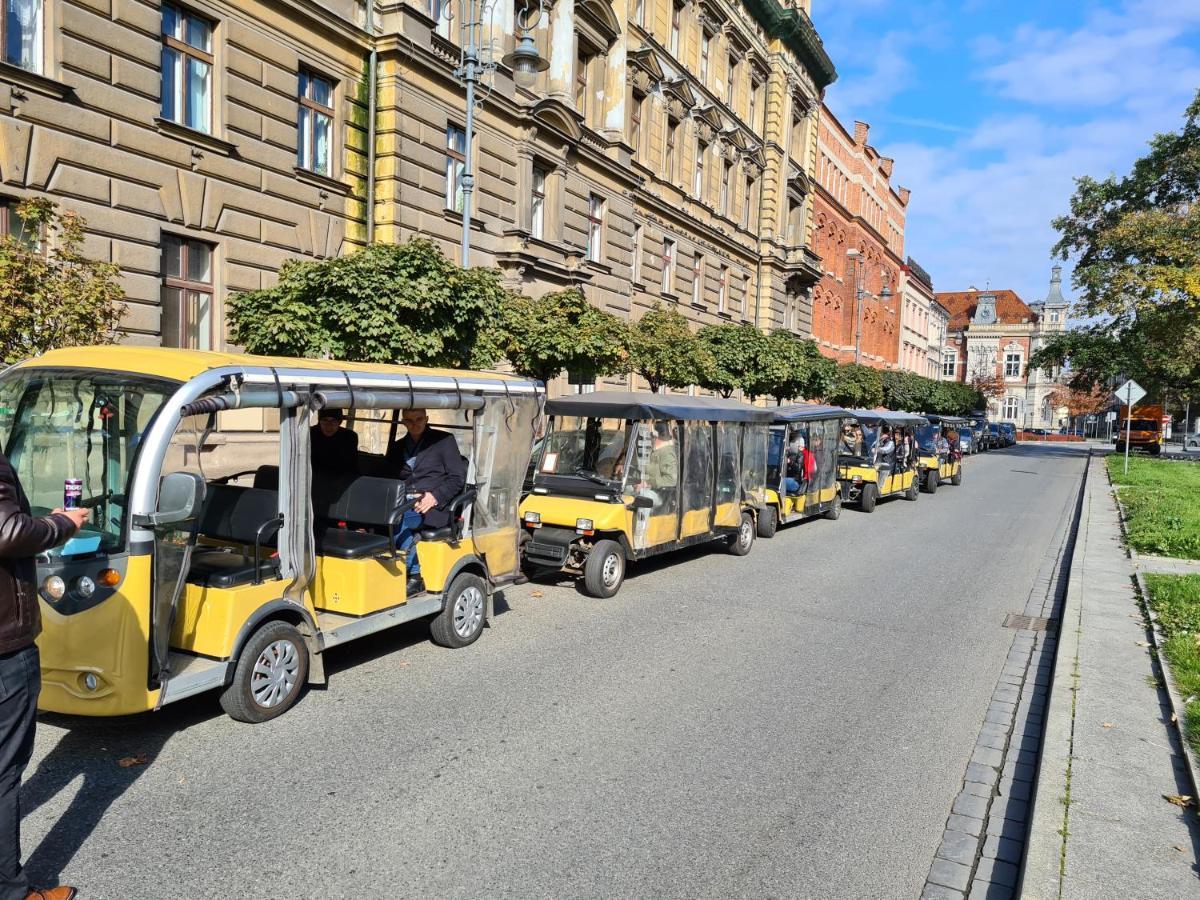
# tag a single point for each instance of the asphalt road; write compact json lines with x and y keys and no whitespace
{"x":795,"y":723}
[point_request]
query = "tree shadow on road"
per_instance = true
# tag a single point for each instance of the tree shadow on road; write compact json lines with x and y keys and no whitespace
{"x":109,"y":755}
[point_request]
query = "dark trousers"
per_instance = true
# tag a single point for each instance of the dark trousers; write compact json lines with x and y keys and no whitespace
{"x":20,"y":682}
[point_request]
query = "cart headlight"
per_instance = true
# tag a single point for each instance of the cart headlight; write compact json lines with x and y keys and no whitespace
{"x":54,"y":587}
{"x":533,"y":519}
{"x":84,"y":586}
{"x":584,"y":526}
{"x":90,"y":681}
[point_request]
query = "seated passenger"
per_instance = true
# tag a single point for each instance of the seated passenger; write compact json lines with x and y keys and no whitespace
{"x":334,"y":448}
{"x":661,"y":475}
{"x":851,"y":443}
{"x":796,"y":470}
{"x":429,"y":463}
{"x":885,"y":453}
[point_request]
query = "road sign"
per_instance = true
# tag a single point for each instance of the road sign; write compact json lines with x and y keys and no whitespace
{"x":1129,"y":393}
{"x":1091,"y":420}
{"x":1110,"y":416}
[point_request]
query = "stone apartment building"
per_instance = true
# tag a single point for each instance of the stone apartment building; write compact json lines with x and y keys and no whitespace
{"x":856,"y":208}
{"x":664,"y":155}
{"x":923,"y":323}
{"x":992,"y":334}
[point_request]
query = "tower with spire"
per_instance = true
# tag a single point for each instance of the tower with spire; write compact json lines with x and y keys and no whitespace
{"x":1052,"y":312}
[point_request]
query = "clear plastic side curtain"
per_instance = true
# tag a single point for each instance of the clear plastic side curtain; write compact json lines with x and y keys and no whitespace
{"x":297,"y":547}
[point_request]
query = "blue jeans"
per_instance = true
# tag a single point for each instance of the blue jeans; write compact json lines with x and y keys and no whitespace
{"x":406,"y":538}
{"x":791,"y":485}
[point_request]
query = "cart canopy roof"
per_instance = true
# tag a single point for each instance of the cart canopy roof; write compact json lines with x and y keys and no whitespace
{"x":809,"y":412}
{"x":936,"y":419}
{"x":887,"y":417}
{"x":644,"y":405}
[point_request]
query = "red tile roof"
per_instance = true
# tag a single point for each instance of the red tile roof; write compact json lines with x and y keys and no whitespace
{"x":1010,"y":309}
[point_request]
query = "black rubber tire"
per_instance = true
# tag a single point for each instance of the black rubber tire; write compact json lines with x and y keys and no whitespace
{"x":768,"y":522}
{"x":605,"y":553}
{"x":742,"y":540}
{"x":914,"y":490}
{"x":238,"y":700}
{"x":868,"y":497}
{"x":1155,"y":449}
{"x":835,"y":508}
{"x":956,"y":478}
{"x":442,"y":630}
{"x":932,"y":477}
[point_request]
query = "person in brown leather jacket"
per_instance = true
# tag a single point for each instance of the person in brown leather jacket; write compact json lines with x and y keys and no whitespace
{"x":22,"y":537}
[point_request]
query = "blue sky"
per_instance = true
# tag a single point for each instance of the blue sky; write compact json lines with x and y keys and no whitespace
{"x":991,"y":108}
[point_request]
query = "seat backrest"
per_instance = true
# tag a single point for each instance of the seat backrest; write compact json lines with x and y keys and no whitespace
{"x":233,"y":513}
{"x":267,"y":478}
{"x":366,"y":500}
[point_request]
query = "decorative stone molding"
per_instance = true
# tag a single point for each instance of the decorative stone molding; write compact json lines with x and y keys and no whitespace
{"x":645,"y":72}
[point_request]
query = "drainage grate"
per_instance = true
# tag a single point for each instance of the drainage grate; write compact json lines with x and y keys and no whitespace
{"x":1030,"y":623}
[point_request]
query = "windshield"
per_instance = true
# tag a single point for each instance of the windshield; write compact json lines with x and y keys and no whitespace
{"x":57,"y":424}
{"x":1143,"y":425}
{"x":586,"y":448}
{"x":927,"y":436}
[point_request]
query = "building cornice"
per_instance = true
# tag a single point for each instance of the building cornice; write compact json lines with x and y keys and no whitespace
{"x":793,"y":26}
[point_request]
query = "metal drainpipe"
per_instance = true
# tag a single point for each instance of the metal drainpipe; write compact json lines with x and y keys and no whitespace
{"x":372,"y":90}
{"x":758,"y":252}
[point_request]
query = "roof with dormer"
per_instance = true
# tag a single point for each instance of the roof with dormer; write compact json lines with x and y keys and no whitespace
{"x":1010,"y":309}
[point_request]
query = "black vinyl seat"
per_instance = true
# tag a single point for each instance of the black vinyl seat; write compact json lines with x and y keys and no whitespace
{"x":366,"y":502}
{"x":239,"y":515}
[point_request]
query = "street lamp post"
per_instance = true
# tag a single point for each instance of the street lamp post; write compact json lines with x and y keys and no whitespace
{"x":525,"y":62}
{"x":859,"y":295}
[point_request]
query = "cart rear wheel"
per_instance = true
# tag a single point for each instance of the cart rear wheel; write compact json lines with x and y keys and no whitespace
{"x":956,"y":480}
{"x":741,"y":542}
{"x":914,"y":490}
{"x":866,"y":500}
{"x":269,"y":675}
{"x":835,"y":508}
{"x":604,"y":571}
{"x":464,"y":612}
{"x":768,"y":522}
{"x":931,"y":481}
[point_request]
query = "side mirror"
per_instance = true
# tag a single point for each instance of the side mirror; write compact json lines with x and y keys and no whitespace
{"x":641,"y":503}
{"x":180,"y":497}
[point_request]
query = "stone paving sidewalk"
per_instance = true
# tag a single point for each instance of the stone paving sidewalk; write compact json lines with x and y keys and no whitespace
{"x":1101,"y":826}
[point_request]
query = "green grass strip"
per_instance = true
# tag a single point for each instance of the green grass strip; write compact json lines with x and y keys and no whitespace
{"x":1175,"y":600}
{"x":1162,"y":505}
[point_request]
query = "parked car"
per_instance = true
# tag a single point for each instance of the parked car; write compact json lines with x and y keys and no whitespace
{"x":966,"y":441}
{"x":1191,"y":442}
{"x":979,"y":435}
{"x":995,"y":438}
{"x":1038,"y":431}
{"x":1009,"y":433}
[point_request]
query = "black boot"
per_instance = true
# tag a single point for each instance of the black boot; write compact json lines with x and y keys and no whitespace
{"x":416,"y":584}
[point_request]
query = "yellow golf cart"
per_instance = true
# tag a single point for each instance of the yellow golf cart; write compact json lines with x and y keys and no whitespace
{"x":867,"y":475}
{"x":626,"y":475}
{"x":802,"y":465}
{"x":218,"y":557}
{"x":940,"y":460}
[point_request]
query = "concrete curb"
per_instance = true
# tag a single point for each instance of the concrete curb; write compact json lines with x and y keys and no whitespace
{"x":1041,"y":875}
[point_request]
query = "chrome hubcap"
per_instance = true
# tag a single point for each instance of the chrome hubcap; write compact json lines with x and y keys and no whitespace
{"x":275,"y":674}
{"x":611,"y":572}
{"x":747,"y":532}
{"x":468,"y":611}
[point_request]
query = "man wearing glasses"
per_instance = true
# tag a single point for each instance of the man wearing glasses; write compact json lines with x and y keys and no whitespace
{"x":429,"y":463}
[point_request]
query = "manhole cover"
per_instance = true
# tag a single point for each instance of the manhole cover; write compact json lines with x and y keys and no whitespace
{"x":1029,"y":623}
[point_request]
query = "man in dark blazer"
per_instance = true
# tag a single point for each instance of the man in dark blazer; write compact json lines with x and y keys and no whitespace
{"x":22,"y":537}
{"x":334,"y":448}
{"x":429,"y":463}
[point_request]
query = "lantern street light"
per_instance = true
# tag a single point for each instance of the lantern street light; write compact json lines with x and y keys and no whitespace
{"x":860,"y":294}
{"x":475,"y":63}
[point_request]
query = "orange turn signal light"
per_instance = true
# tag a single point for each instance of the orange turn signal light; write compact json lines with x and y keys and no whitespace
{"x":109,"y":577}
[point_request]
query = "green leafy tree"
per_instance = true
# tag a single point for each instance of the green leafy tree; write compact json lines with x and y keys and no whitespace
{"x":664,"y":351}
{"x":51,"y":295}
{"x":393,"y":303}
{"x":741,"y":359}
{"x":1137,"y":242}
{"x":801,"y":371}
{"x":909,"y":391}
{"x":855,"y":386}
{"x":562,"y":331}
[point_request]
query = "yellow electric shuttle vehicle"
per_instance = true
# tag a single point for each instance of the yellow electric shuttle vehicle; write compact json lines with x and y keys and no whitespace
{"x":218,"y":558}
{"x":938,"y":461}
{"x":802,"y":465}
{"x":866,"y":475}
{"x":624,"y":476}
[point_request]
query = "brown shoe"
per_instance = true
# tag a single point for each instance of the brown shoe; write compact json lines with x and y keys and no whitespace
{"x":61,"y":892}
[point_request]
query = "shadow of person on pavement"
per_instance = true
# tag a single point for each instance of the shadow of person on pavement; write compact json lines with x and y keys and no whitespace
{"x":106,"y":756}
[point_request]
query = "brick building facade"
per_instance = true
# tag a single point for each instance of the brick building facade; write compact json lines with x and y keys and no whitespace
{"x":856,"y":207}
{"x":992,"y":334}
{"x":665,"y":155}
